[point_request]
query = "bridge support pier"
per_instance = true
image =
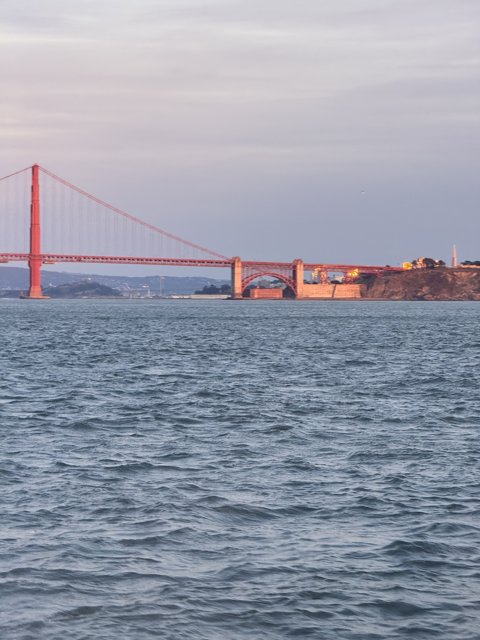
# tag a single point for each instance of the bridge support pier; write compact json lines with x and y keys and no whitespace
{"x":298,"y":276}
{"x":237,"y":279}
{"x":35,"y":290}
{"x":35,"y":261}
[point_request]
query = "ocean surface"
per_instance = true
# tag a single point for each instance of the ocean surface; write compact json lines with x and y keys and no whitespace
{"x":239,"y":470}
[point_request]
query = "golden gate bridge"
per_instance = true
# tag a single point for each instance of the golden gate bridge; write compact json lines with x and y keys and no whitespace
{"x":44,"y":219}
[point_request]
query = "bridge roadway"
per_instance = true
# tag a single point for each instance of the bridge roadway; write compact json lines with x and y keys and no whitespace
{"x":51,"y":258}
{"x":243,"y":271}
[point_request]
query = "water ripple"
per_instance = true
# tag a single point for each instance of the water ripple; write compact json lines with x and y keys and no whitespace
{"x":213,"y":470}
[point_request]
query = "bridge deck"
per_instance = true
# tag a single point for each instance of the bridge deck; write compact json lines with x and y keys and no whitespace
{"x":190,"y":262}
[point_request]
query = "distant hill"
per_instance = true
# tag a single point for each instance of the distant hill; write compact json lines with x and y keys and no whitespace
{"x":16,"y":278}
{"x":85,"y":289}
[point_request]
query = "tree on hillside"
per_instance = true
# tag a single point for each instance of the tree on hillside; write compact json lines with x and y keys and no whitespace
{"x":212,"y":290}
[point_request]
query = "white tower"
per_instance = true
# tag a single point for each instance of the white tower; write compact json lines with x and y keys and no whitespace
{"x":454,"y":257}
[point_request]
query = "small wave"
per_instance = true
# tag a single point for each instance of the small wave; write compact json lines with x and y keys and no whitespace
{"x":398,"y":608}
{"x":146,"y":542}
{"x":130,"y":467}
{"x":84,"y":610}
{"x":417,"y":548}
{"x":448,"y":528}
{"x":246,"y":512}
{"x":316,"y":614}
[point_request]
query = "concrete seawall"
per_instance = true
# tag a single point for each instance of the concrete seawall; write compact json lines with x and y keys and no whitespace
{"x":332,"y":291}
{"x":312,"y":292}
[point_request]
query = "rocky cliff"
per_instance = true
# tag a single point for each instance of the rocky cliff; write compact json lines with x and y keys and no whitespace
{"x":426,"y":284}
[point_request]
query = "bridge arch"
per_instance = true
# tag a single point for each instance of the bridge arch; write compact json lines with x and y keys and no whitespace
{"x":271,"y":274}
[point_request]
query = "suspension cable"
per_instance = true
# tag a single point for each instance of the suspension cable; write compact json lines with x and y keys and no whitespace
{"x":120,"y":212}
{"x":15,"y":174}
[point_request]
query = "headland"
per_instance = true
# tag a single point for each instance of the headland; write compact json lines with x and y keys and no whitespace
{"x":461,"y":283}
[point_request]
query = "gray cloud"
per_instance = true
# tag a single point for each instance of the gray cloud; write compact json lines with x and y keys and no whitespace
{"x":253,"y":127}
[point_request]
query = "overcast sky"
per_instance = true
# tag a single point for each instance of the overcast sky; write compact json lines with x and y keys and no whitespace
{"x":332,"y":130}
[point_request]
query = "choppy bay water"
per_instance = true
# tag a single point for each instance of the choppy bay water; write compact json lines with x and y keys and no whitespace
{"x":228,"y":470}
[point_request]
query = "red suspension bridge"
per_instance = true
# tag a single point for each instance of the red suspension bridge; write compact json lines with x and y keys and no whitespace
{"x":45,"y":219}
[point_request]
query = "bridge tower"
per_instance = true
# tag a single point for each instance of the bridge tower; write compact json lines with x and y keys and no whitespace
{"x":298,"y":275}
{"x":237,"y":279}
{"x":34,"y":260}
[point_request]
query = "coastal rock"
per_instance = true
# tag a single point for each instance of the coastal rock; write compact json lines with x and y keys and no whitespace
{"x":426,"y":284}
